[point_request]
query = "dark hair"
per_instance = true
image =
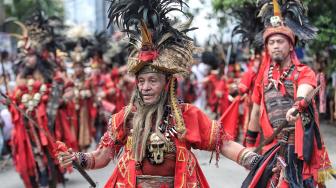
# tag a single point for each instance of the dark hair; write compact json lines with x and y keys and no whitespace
{"x":4,"y":55}
{"x":210,"y":59}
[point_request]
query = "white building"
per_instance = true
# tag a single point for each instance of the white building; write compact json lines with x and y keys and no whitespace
{"x":92,"y":14}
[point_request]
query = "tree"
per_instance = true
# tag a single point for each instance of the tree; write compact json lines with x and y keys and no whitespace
{"x":322,"y":14}
{"x":22,"y":9}
{"x":226,"y":5}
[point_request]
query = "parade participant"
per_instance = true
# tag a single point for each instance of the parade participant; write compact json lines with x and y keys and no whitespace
{"x":98,"y":83}
{"x":60,"y":109}
{"x":32,"y":148}
{"x":211,"y":81}
{"x":119,"y":83}
{"x":7,"y":76}
{"x":82,"y":97}
{"x":200,"y":70}
{"x":319,"y":68}
{"x":157,"y":131}
{"x":297,"y":156}
{"x":246,"y":86}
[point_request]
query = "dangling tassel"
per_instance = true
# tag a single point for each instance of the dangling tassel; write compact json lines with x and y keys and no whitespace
{"x":177,"y":114}
{"x":326,"y":174}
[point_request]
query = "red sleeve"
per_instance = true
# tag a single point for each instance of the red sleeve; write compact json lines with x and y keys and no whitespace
{"x":200,"y":130}
{"x":116,"y":126}
{"x":246,"y":81}
{"x":256,"y":95}
{"x":115,"y":136}
{"x":306,"y":76}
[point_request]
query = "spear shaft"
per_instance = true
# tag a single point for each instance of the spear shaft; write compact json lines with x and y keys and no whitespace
{"x":75,"y":163}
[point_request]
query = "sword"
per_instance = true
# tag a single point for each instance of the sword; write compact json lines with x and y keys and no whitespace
{"x":84,"y":174}
{"x":75,"y":164}
{"x":307,"y":100}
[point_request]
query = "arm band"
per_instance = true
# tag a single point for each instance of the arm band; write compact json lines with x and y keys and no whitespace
{"x":251,"y":138}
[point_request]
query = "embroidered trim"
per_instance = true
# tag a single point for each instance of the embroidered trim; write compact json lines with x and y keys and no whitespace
{"x":220,"y":138}
{"x":106,"y":141}
{"x":213,"y":130}
{"x":176,"y":110}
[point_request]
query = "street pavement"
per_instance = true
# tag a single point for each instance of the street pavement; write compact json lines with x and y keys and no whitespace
{"x":227,"y":175}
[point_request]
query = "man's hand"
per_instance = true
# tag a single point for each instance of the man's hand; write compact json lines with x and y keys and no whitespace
{"x":289,"y":117}
{"x":65,"y":158}
{"x":64,"y":155}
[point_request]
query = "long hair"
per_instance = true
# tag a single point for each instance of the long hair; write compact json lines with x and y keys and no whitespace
{"x":143,"y":120}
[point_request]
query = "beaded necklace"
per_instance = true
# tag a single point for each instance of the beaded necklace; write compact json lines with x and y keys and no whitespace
{"x":275,"y":83}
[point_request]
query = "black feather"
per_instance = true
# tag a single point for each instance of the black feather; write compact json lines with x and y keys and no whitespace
{"x":294,"y":15}
{"x":248,"y":22}
{"x":128,"y":14}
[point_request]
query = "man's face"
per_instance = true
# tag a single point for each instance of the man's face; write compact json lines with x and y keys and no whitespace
{"x":279,"y":47}
{"x":150,"y":86}
{"x":31,"y":60}
{"x":78,"y":70}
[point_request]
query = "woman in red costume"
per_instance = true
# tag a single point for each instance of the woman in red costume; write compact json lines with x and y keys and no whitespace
{"x":157,"y":131}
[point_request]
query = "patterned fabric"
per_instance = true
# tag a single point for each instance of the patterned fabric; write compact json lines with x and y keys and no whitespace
{"x":144,"y":181}
{"x":201,"y":133}
{"x":277,"y":106}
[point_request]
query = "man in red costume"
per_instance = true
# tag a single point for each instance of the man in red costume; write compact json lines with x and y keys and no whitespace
{"x":157,"y":131}
{"x":246,"y":86}
{"x":81,"y":98}
{"x":297,"y":156}
{"x":32,"y":147}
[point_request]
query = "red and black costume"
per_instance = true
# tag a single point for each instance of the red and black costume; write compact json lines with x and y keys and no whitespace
{"x":157,"y":149}
{"x":298,"y":150}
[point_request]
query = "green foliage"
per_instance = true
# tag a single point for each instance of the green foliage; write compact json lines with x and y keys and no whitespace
{"x":321,"y":13}
{"x":225,"y":5}
{"x":22,"y":9}
{"x":323,"y":16}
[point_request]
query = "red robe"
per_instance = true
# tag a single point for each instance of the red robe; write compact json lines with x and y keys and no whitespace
{"x":201,"y":133}
{"x":118,"y":97}
{"x":210,"y":87}
{"x":223,"y":101}
{"x":66,"y":120}
{"x":245,"y":86}
{"x":23,"y":155}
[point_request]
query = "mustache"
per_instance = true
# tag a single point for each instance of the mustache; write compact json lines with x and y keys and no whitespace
{"x":147,"y":94}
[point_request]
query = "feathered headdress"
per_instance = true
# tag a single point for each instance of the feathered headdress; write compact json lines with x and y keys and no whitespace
{"x":77,"y":43}
{"x":44,"y":33}
{"x":157,"y":44}
{"x":155,"y":41}
{"x":117,"y":53}
{"x":249,"y":25}
{"x":288,"y":17}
